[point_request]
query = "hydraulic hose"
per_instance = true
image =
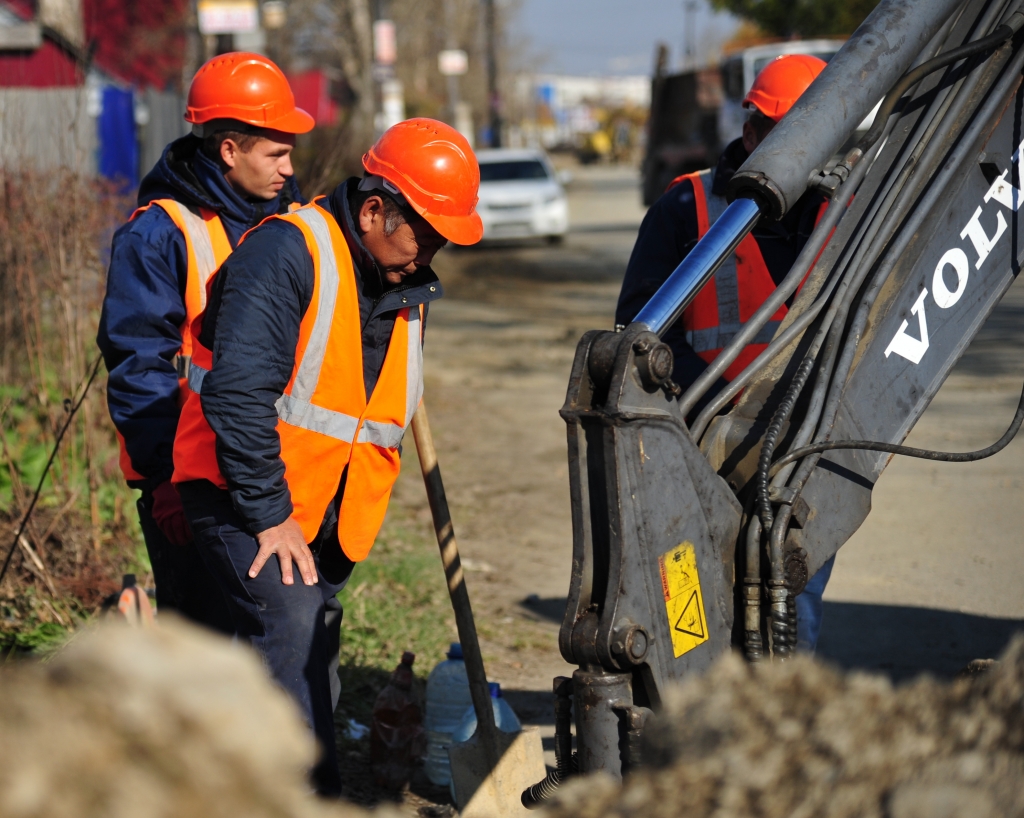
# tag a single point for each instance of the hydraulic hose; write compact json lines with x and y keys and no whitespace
{"x":870,"y":245}
{"x":566,"y":763}
{"x":777,"y":345}
{"x":753,"y":644}
{"x":850,"y":182}
{"x":784,"y":410}
{"x":771,"y":439}
{"x":992,"y":100}
{"x":858,"y":263}
{"x":808,"y":255}
{"x":910,"y":451}
{"x":813,"y":451}
{"x":812,"y":250}
{"x":1005,"y":31}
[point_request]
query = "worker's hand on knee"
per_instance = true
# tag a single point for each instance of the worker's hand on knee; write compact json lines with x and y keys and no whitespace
{"x":285,"y":540}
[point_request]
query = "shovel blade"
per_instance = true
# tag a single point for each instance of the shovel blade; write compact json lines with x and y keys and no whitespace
{"x":494,"y":790}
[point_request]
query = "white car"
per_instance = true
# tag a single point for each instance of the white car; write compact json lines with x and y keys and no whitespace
{"x":521,"y":195}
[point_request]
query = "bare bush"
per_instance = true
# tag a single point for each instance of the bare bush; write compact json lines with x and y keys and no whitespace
{"x":55,"y":228}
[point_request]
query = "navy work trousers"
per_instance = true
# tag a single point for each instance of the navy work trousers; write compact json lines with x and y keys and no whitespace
{"x":183,"y":582}
{"x":810,"y":607}
{"x":287,"y":625}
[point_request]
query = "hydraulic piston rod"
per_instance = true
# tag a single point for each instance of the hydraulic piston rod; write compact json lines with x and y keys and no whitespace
{"x":694,"y":271}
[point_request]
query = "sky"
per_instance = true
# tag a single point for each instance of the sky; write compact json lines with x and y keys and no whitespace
{"x":615,"y":37}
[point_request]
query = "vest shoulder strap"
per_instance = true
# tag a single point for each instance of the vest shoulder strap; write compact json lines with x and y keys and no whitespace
{"x":327,"y":246}
{"x":701,"y":182}
{"x":204,"y":231}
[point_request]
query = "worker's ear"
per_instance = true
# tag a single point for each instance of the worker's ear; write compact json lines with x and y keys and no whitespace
{"x":229,"y":151}
{"x":372,"y":209}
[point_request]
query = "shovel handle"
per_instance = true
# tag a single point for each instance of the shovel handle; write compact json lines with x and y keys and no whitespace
{"x":456,"y":580}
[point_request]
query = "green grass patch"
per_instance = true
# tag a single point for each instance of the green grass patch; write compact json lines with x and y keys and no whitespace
{"x":37,"y":625}
{"x":396,"y":600}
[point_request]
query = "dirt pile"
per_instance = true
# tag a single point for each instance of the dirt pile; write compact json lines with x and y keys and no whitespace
{"x":801,"y":739}
{"x":159,"y":723}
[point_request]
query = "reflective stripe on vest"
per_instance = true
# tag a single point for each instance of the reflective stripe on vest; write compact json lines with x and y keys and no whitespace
{"x":321,"y":433}
{"x":735,"y":292}
{"x":296,"y":407}
{"x":206,"y":247}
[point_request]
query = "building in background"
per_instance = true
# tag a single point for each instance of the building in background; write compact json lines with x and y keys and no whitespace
{"x":44,"y":106}
{"x":76,"y":92}
{"x":321,"y":92}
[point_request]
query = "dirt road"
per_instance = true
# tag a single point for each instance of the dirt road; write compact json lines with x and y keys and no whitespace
{"x":932,"y":580}
{"x":935,"y":576}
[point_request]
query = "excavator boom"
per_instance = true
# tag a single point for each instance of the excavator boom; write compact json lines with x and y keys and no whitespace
{"x":687,"y":540}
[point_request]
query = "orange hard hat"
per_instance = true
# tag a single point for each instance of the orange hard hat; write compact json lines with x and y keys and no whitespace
{"x":247,"y":88}
{"x":781,"y":82}
{"x":435,"y":169}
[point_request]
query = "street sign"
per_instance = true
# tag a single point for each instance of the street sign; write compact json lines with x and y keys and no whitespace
{"x":275,"y":14}
{"x":385,"y":43}
{"x":453,"y":62}
{"x":228,"y":16}
{"x":382,"y":73}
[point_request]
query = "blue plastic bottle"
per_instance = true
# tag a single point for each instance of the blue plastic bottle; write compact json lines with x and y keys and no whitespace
{"x":504,"y":717}
{"x":447,"y":699}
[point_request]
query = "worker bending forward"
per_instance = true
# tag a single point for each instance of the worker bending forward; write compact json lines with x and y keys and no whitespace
{"x":306,"y":371}
{"x":678,"y":220}
{"x":208,"y":188}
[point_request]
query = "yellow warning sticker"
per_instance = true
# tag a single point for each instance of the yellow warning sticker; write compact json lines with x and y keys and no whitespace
{"x":683,"y":601}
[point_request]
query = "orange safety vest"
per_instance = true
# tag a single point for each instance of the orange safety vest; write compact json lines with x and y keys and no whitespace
{"x":207,"y":246}
{"x":733,"y":295}
{"x":325,"y":422}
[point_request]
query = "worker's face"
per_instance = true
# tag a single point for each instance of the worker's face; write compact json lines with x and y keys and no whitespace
{"x":754,"y":132}
{"x":260,"y":172}
{"x":405,"y":251}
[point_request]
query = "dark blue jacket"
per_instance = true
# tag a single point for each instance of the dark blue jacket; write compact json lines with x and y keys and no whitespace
{"x":252,"y":326}
{"x":669,"y":232}
{"x":144,"y":307}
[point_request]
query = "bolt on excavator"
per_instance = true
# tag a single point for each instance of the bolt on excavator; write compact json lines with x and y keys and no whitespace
{"x":695,"y":529}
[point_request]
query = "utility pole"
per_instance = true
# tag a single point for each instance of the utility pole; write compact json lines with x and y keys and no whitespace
{"x":452,"y":78}
{"x":690,"y":44}
{"x":491,"y":49}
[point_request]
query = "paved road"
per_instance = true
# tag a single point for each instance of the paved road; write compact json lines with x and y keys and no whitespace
{"x":933,"y":579}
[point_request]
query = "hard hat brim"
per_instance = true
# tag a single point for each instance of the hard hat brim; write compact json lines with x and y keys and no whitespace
{"x":769,"y":107}
{"x":464,"y":230}
{"x":296,"y":121}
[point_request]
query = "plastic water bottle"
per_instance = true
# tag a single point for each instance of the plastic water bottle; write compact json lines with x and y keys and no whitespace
{"x":447,"y":699}
{"x":504,"y":717}
{"x":397,"y":740}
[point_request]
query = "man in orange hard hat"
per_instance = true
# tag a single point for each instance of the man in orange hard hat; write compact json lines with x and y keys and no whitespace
{"x":677,"y":221}
{"x":208,"y":188}
{"x":306,"y":371}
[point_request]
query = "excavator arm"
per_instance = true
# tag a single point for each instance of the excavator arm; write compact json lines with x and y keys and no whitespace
{"x":690,"y":537}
